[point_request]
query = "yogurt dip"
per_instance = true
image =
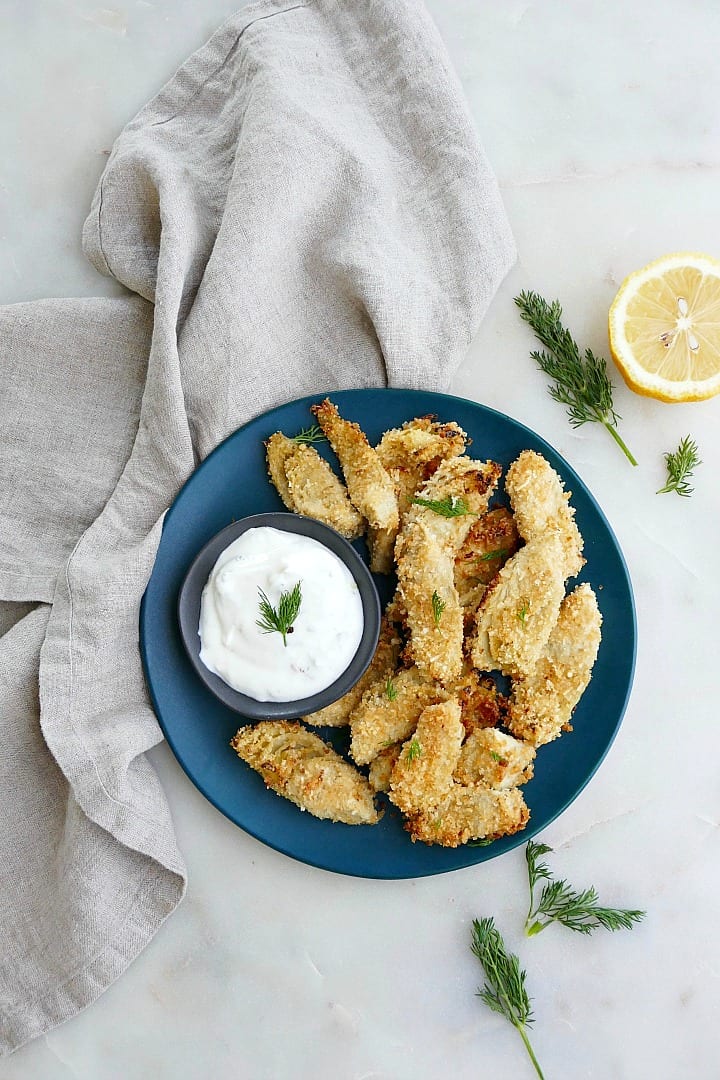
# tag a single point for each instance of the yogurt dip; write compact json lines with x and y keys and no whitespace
{"x":325,"y":634}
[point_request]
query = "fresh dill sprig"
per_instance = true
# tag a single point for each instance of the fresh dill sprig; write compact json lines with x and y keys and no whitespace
{"x":280,"y":620}
{"x":680,"y":466}
{"x":523,"y":610}
{"x":499,"y":553}
{"x":390,"y":689}
{"x":504,"y":990}
{"x":438,"y":606}
{"x":581,"y":383}
{"x":414,"y":750}
{"x":450,"y":507}
{"x":313,"y":434}
{"x":559,"y":902}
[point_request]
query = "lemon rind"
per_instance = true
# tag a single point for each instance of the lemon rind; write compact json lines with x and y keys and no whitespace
{"x":635,"y":375}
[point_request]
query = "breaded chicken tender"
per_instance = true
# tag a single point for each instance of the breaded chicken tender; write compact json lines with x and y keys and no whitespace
{"x":382,"y":665}
{"x":371,"y":490}
{"x":425,"y":553}
{"x":481,"y":703}
{"x":470,"y":812}
{"x":412,"y":453}
{"x":541,"y":505}
{"x":542,"y":702}
{"x":520,"y":609}
{"x":381,"y":767}
{"x":298,"y":765}
{"x":380,"y":719}
{"x":307,"y":485}
{"x":424,"y":769}
{"x":494,"y":758}
{"x":317,"y":493}
{"x":278,"y":449}
{"x":492,"y":539}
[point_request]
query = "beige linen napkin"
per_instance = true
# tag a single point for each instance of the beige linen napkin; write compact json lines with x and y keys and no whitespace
{"x":303,"y":207}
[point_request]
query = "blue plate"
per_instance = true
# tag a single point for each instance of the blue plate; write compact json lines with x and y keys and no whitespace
{"x":231,"y":483}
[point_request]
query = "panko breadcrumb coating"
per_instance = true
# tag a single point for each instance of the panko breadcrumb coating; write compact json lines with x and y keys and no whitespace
{"x":316,"y":492}
{"x":494,"y":758}
{"x":520,"y":609}
{"x":371,"y":490}
{"x":382,"y":665}
{"x":380,"y":719}
{"x":541,"y":505}
{"x":470,"y":812}
{"x":381,"y":545}
{"x":278,"y":449}
{"x":412,"y":453}
{"x":298,"y":765}
{"x":381,"y":767}
{"x":481,"y":703}
{"x":492,"y":539}
{"x":542,"y":703}
{"x":424,"y":769}
{"x":425,"y":554}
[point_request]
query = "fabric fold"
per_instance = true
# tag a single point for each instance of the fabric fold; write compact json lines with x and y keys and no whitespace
{"x":304,"y":207}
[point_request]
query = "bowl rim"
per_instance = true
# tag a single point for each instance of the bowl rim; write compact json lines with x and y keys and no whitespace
{"x":188,"y":614}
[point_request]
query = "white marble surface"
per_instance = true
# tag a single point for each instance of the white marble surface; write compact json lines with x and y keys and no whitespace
{"x":601,"y":120}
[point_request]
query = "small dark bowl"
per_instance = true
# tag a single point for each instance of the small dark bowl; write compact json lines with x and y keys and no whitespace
{"x":189,"y":616}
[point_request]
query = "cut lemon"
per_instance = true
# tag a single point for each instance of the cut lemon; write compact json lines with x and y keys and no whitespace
{"x":665,"y":328}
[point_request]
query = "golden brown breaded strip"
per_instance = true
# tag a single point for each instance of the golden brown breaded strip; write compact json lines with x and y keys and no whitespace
{"x":481,"y":703}
{"x":541,"y":505}
{"x":278,"y":449}
{"x":298,"y":765}
{"x":412,"y":452}
{"x":370,"y":488}
{"x":542,"y":703}
{"x":470,"y":812}
{"x":520,"y":609}
{"x":492,"y":539}
{"x":381,"y":546}
{"x":425,"y":554}
{"x":380,"y":720}
{"x":381,"y":767}
{"x":491,"y":757}
{"x":423,"y":771}
{"x":317,"y":492}
{"x":382,"y":665}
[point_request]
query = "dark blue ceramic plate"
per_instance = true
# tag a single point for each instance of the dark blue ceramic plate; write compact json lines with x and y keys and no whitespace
{"x":232,"y":483}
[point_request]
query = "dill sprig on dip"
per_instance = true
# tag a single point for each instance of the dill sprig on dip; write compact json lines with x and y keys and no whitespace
{"x":680,"y":466}
{"x":559,"y":902}
{"x":450,"y":507}
{"x":504,"y":990}
{"x":280,"y":620}
{"x":580,"y":383}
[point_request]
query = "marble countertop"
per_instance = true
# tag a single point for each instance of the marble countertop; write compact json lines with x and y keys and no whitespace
{"x":601,"y":122}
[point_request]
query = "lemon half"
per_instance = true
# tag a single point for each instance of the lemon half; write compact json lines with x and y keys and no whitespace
{"x":664,"y":328}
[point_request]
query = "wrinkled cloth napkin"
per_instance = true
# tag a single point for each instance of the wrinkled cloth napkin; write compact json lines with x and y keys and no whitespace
{"x":303,"y":207}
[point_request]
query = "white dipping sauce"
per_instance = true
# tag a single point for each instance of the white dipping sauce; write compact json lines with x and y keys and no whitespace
{"x":326,"y":632}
